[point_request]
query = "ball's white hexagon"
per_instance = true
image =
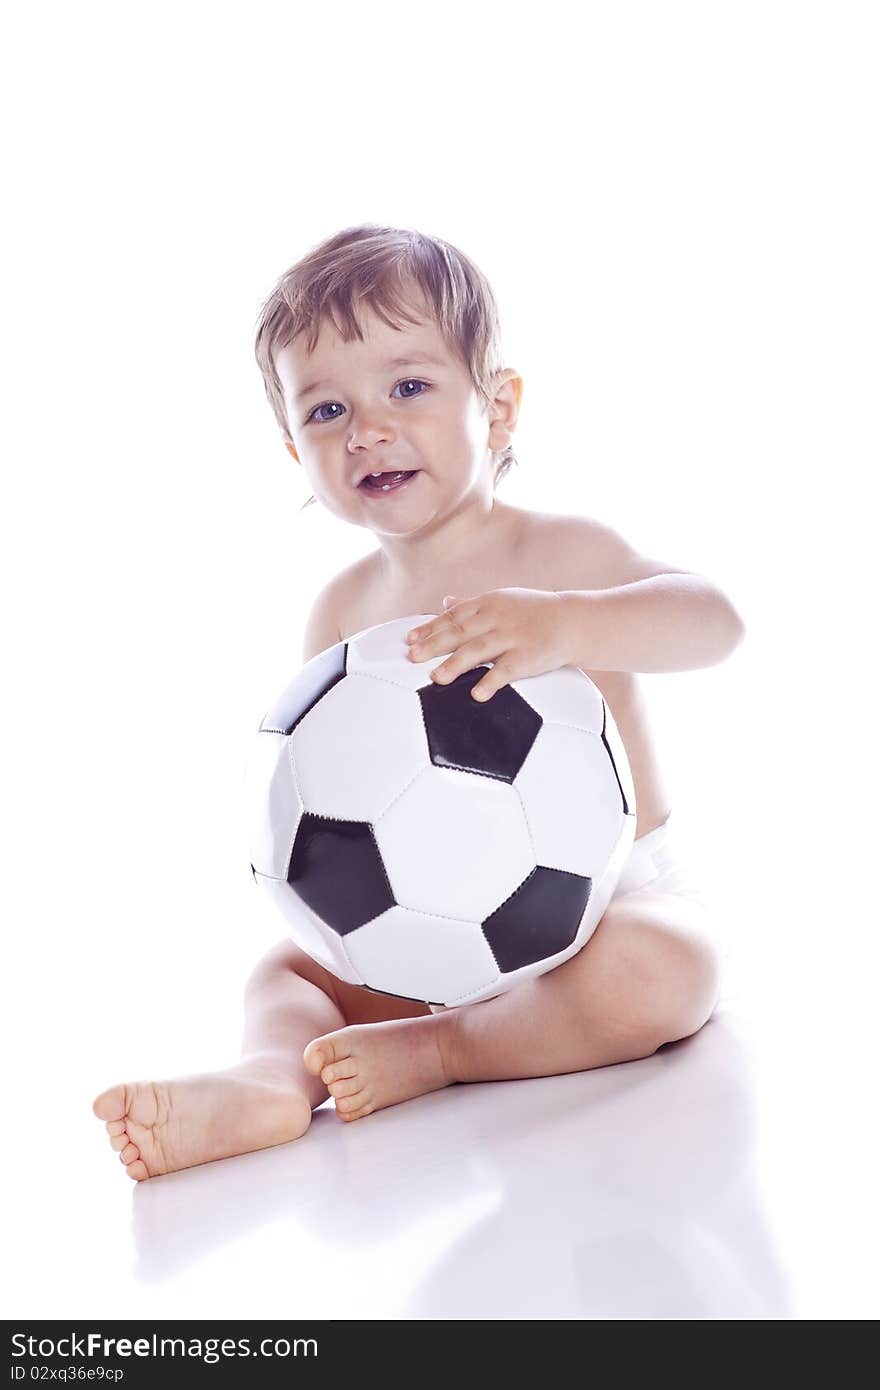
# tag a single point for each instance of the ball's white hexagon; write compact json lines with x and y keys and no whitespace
{"x":564,"y":696}
{"x":571,"y":800}
{"x":357,"y":748}
{"x":274,"y":808}
{"x":382,"y":652}
{"x":455,"y":844}
{"x":312,"y":935}
{"x":422,"y":957}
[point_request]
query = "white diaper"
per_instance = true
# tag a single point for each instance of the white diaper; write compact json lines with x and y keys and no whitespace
{"x":654,"y":862}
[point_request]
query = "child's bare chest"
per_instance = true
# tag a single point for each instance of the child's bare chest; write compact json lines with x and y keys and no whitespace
{"x":376,"y":600}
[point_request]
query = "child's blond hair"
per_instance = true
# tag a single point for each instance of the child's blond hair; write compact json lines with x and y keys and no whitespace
{"x":377,"y":265}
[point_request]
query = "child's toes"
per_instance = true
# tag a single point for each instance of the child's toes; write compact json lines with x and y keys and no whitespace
{"x":354,"y":1107}
{"x":339,"y":1071}
{"x":119,"y":1141}
{"x":137,"y":1170}
{"x":315,"y":1057}
{"x":348,"y":1104}
{"x":130,"y":1154}
{"x":110,"y":1104}
{"x":115,"y":1127}
{"x":323,"y":1052}
{"x":346,"y":1086}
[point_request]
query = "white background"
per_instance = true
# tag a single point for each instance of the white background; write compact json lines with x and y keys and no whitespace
{"x":677,"y":207}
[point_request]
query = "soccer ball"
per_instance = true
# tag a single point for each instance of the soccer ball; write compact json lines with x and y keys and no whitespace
{"x":428,"y":845}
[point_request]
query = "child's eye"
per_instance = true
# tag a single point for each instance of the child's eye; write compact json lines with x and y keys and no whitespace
{"x":407,"y":381}
{"x":326,"y":406}
{"x":413,"y":381}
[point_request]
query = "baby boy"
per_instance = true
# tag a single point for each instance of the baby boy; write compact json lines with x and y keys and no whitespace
{"x":380,"y":354}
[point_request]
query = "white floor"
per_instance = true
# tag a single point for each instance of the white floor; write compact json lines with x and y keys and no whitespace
{"x":694,"y":1184}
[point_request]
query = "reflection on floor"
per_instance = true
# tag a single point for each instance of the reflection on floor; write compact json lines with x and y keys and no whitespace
{"x":627,"y":1192}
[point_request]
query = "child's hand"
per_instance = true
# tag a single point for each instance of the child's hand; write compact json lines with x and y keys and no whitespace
{"x":523,"y":631}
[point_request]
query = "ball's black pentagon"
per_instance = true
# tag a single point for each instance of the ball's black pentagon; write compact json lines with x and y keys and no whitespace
{"x":611,"y":757}
{"x":305,"y":690}
{"x":492,"y":737}
{"x":336,"y":868}
{"x":538,"y":920}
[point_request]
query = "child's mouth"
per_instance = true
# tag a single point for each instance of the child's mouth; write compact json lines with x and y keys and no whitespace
{"x":386,"y":483}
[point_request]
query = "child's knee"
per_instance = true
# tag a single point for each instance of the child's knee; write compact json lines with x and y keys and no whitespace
{"x":659,"y":970}
{"x":685,"y":974}
{"x":699,"y":985}
{"x":280,"y":961}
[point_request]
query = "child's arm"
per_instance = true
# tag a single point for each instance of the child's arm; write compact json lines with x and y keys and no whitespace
{"x":646,"y":615}
{"x":322,"y":624}
{"x":668,"y":622}
{"x":644,"y":618}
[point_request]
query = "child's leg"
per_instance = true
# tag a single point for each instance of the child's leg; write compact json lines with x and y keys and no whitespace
{"x":289,"y":999}
{"x":649,"y":975}
{"x":265,"y":1099}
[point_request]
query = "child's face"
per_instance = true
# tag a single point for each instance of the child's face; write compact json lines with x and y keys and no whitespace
{"x":354,"y":410}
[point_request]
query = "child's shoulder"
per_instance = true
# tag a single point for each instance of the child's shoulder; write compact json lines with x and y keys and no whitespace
{"x":544,"y":550}
{"x":573,"y":535}
{"x":586,"y":553}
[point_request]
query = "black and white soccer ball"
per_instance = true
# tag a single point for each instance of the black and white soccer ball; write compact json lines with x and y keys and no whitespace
{"x":428,"y":845}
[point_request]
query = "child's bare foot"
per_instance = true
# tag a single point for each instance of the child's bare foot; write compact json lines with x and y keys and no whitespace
{"x":158,"y":1127}
{"x":370,"y":1065}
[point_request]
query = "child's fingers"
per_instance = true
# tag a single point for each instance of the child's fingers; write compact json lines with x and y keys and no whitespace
{"x":501,"y":674}
{"x":438,"y":624}
{"x":439,"y":641}
{"x":484,"y":648}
